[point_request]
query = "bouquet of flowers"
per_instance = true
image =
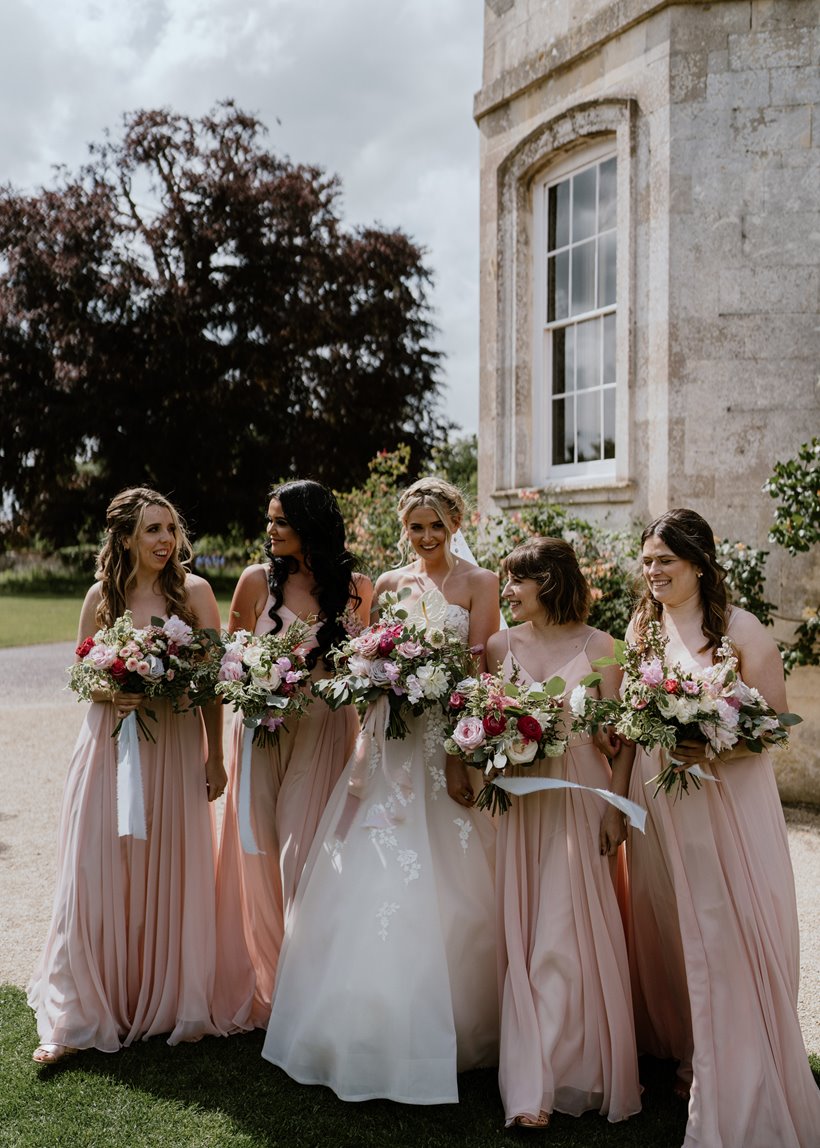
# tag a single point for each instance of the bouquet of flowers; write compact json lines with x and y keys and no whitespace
{"x":662,"y":704}
{"x":407,"y":656}
{"x":500,"y":722}
{"x":261,"y":675}
{"x":167,"y":659}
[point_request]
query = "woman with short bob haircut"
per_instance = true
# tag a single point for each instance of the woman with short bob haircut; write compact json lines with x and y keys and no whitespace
{"x":567,"y":1035}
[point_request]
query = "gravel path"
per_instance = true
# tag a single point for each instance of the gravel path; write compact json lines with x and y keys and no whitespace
{"x":39,"y":722}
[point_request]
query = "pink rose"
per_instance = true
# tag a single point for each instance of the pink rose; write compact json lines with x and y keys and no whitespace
{"x":457,"y":701}
{"x":178,"y":631}
{"x":367,"y":644}
{"x":469,"y":734}
{"x":230,"y":671}
{"x":671,"y":685}
{"x":651,"y":672}
{"x":690,"y":688}
{"x":410,"y":649}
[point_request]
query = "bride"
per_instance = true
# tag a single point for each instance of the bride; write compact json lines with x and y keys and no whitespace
{"x":386,"y":985}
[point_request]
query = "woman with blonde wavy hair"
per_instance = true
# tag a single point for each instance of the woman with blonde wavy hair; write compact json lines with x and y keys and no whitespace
{"x":387,"y":978}
{"x":131,"y":949}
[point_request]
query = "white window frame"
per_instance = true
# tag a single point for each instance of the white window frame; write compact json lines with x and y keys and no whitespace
{"x":544,"y":470}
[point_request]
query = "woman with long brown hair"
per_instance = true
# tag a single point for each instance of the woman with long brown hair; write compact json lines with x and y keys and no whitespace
{"x":713,"y":939}
{"x":131,"y":949}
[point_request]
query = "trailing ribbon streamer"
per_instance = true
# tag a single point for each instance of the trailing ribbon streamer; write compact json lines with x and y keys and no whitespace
{"x":130,"y":801}
{"x":371,"y":740}
{"x":522,"y":785}
{"x":244,"y":811}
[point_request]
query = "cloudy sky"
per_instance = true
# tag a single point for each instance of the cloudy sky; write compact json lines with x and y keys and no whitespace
{"x":378,"y":91}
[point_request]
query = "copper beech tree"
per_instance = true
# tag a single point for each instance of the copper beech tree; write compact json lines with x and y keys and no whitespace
{"x":188,"y":310}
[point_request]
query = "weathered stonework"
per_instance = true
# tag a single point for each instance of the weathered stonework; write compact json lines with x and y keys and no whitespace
{"x":712,"y":111}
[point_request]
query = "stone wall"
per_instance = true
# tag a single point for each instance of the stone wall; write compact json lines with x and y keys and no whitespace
{"x":714,"y":109}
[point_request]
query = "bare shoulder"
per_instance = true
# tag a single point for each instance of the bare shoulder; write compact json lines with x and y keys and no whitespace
{"x":362,"y":583}
{"x":93,"y":596}
{"x":745,"y":626}
{"x":255,"y":575}
{"x":195,"y":584}
{"x":482,"y":578}
{"x":389,"y":580}
{"x":599,"y":645}
{"x":496,"y":649}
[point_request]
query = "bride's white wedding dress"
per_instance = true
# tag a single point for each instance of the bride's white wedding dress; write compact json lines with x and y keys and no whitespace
{"x":387,"y":980}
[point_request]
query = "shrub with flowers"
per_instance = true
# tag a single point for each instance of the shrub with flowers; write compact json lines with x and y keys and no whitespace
{"x":408,"y":656}
{"x":167,"y":659}
{"x":663,"y":704}
{"x":496,"y":723}
{"x":262,"y":675}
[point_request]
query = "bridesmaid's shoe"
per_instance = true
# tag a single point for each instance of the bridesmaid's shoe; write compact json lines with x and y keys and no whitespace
{"x":52,"y":1053}
{"x":536,"y":1122}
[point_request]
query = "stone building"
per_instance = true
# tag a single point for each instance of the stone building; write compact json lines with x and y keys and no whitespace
{"x":650,"y":254}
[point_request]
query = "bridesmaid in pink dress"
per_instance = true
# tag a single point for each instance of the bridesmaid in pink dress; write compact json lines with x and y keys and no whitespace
{"x":567,"y":1036}
{"x":131,"y":949}
{"x":310,"y":576}
{"x":714,"y":944}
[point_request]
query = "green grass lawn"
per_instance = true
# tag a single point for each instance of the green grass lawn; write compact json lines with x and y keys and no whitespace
{"x":29,"y":619}
{"x":221,"y":1094}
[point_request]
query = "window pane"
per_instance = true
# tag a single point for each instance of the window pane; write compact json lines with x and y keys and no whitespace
{"x":588,"y":346}
{"x":583,"y":205}
{"x":609,"y":350}
{"x":589,"y":426}
{"x":563,"y":431}
{"x":606,"y":195}
{"x":606,"y":270}
{"x":583,"y":277}
{"x":558,"y":231}
{"x":609,"y":422}
{"x":557,"y":286}
{"x":563,"y":361}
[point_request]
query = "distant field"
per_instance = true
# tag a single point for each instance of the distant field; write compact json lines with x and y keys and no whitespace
{"x":29,"y":619}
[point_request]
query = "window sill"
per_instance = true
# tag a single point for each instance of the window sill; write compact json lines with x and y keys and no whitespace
{"x":569,"y":492}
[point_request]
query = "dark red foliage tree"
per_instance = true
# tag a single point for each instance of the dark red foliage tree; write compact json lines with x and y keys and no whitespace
{"x":189,"y":311}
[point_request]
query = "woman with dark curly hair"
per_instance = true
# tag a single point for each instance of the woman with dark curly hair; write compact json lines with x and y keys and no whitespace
{"x":310,"y":576}
{"x":714,"y":947}
{"x":131,"y":950}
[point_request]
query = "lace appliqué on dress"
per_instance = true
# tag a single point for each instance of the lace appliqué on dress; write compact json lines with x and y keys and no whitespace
{"x":385,"y":912}
{"x":433,"y":741}
{"x":465,"y":828}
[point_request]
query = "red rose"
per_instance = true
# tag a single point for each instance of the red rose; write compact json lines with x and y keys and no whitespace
{"x":386,"y":645}
{"x":119,"y":670}
{"x":84,"y":647}
{"x":671,"y":685}
{"x":529,"y":728}
{"x":494,"y":724}
{"x":457,"y":701}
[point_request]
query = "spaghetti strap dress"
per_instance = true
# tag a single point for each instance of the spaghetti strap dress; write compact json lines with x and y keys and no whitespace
{"x":567,"y":1033}
{"x":291,"y":783}
{"x":714,"y":954}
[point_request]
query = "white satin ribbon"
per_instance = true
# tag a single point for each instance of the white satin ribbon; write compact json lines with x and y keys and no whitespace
{"x":246,"y":836}
{"x":130,"y":801}
{"x":522,"y":785}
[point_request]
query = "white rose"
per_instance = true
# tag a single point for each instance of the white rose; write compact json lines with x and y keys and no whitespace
{"x":578,"y":700}
{"x":520,"y":751}
{"x":252,"y":656}
{"x":433,"y":680}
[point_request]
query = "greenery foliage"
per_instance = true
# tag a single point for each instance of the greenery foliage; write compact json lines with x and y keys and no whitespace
{"x":795,"y":484}
{"x":187,"y":311}
{"x":221,"y":1093}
